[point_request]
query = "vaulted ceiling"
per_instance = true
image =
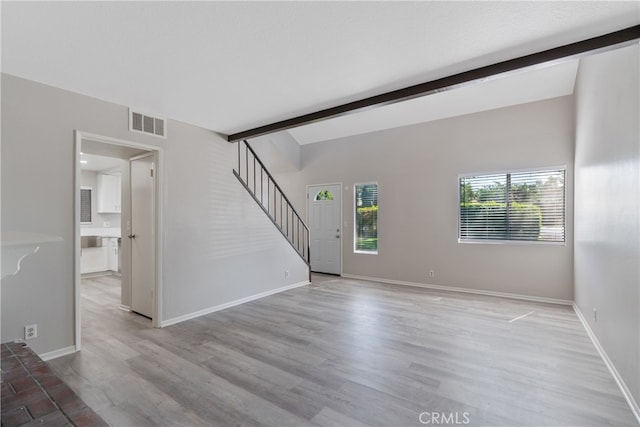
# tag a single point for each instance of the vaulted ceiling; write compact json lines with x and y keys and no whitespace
{"x":230,"y":66}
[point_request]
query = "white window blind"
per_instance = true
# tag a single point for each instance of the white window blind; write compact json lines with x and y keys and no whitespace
{"x":366,"y":218}
{"x":524,"y":206}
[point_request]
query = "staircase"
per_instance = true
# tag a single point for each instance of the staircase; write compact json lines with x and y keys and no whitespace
{"x":257,"y":180}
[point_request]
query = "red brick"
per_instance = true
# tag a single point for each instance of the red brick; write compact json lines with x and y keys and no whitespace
{"x":6,"y":390}
{"x":16,"y":346}
{"x":40,"y":369}
{"x":23,"y":398}
{"x":86,"y":418}
{"x":5,"y":352}
{"x":21,"y":348}
{"x":41,"y":407}
{"x":30,"y":360}
{"x":10,"y":364}
{"x":23,"y":383}
{"x":61,"y":394}
{"x":71,"y":405}
{"x":12,"y":375}
{"x":52,"y":419}
{"x":49,"y":381}
{"x":15,"y":417}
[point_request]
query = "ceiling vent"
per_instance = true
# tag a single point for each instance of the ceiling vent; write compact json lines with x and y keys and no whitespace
{"x":147,"y":124}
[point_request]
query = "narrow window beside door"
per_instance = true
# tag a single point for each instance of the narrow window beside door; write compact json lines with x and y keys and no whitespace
{"x":366,"y":218}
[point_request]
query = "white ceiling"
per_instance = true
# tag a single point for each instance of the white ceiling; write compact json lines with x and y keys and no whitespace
{"x":100,"y":156}
{"x":230,"y":66}
{"x":92,"y":162}
{"x":514,"y":89}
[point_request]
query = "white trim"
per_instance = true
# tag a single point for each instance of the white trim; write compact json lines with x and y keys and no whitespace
{"x":209,"y":310}
{"x":159,"y":204}
{"x":124,"y":308}
{"x":118,"y":141}
{"x":463,"y":290}
{"x":58,"y":353}
{"x":633,"y":405}
{"x":342,"y":227}
{"x":509,"y":242}
{"x":77,"y":252}
{"x":506,"y":171}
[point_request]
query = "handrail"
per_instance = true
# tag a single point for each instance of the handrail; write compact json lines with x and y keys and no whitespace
{"x":255,"y":156}
{"x":287,"y":214}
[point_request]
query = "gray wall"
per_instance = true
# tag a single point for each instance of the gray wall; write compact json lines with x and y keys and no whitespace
{"x":279,"y":152}
{"x":218,"y":245}
{"x":607,"y":202}
{"x":417,"y":170}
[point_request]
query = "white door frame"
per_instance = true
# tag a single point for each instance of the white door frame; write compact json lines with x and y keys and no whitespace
{"x":159,"y":203}
{"x":341,"y":218}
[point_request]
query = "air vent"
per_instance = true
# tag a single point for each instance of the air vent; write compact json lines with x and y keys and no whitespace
{"x":147,"y":124}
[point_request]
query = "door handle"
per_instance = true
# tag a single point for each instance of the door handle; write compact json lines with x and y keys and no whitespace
{"x":131,"y":236}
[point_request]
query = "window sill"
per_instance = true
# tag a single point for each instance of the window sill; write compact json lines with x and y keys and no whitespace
{"x":512,"y":242}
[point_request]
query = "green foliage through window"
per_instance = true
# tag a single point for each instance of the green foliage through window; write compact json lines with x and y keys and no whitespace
{"x":366,"y":218}
{"x":324,"y":195}
{"x":528,"y":206}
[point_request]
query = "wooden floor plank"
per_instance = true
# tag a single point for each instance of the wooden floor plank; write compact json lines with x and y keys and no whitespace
{"x":343,"y":352}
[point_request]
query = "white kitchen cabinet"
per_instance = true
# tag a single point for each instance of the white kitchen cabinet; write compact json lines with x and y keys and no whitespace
{"x":93,"y":260}
{"x":109,"y":194}
{"x":112,"y":257}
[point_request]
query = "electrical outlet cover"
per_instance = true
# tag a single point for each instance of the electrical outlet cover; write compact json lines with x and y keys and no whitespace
{"x":30,"y":332}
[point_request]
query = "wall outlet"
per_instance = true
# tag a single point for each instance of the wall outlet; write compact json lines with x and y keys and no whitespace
{"x":595,"y":315}
{"x":30,"y":332}
{"x":432,"y":273}
{"x":286,"y":273}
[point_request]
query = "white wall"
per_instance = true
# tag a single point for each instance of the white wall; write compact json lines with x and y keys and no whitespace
{"x":417,"y":170}
{"x":607,"y":205}
{"x":218,"y":246}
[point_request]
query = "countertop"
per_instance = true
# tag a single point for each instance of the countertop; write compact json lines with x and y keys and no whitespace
{"x":100,"y":231}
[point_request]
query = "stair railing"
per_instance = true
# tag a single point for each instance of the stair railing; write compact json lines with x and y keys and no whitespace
{"x":257,"y":180}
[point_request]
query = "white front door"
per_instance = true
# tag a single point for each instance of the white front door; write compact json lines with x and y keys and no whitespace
{"x":142,"y":235}
{"x":325,"y":207}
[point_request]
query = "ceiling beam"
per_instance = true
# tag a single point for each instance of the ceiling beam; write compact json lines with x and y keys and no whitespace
{"x":557,"y":54}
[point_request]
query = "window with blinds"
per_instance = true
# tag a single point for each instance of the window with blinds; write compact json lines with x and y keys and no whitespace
{"x":85,"y":206}
{"x":366,"y":218}
{"x":514,"y":206}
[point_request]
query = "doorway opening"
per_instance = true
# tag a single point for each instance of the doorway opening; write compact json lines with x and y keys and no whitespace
{"x":117,"y":231}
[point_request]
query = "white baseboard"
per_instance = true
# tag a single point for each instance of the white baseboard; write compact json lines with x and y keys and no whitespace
{"x":603,"y":354}
{"x":124,"y":308}
{"x":463,"y":290}
{"x":58,"y":353}
{"x":209,"y":310}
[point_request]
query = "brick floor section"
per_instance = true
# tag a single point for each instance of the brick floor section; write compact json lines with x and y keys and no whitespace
{"x":32,"y":395}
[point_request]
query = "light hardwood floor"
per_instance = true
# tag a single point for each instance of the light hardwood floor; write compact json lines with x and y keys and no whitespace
{"x":343,"y":353}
